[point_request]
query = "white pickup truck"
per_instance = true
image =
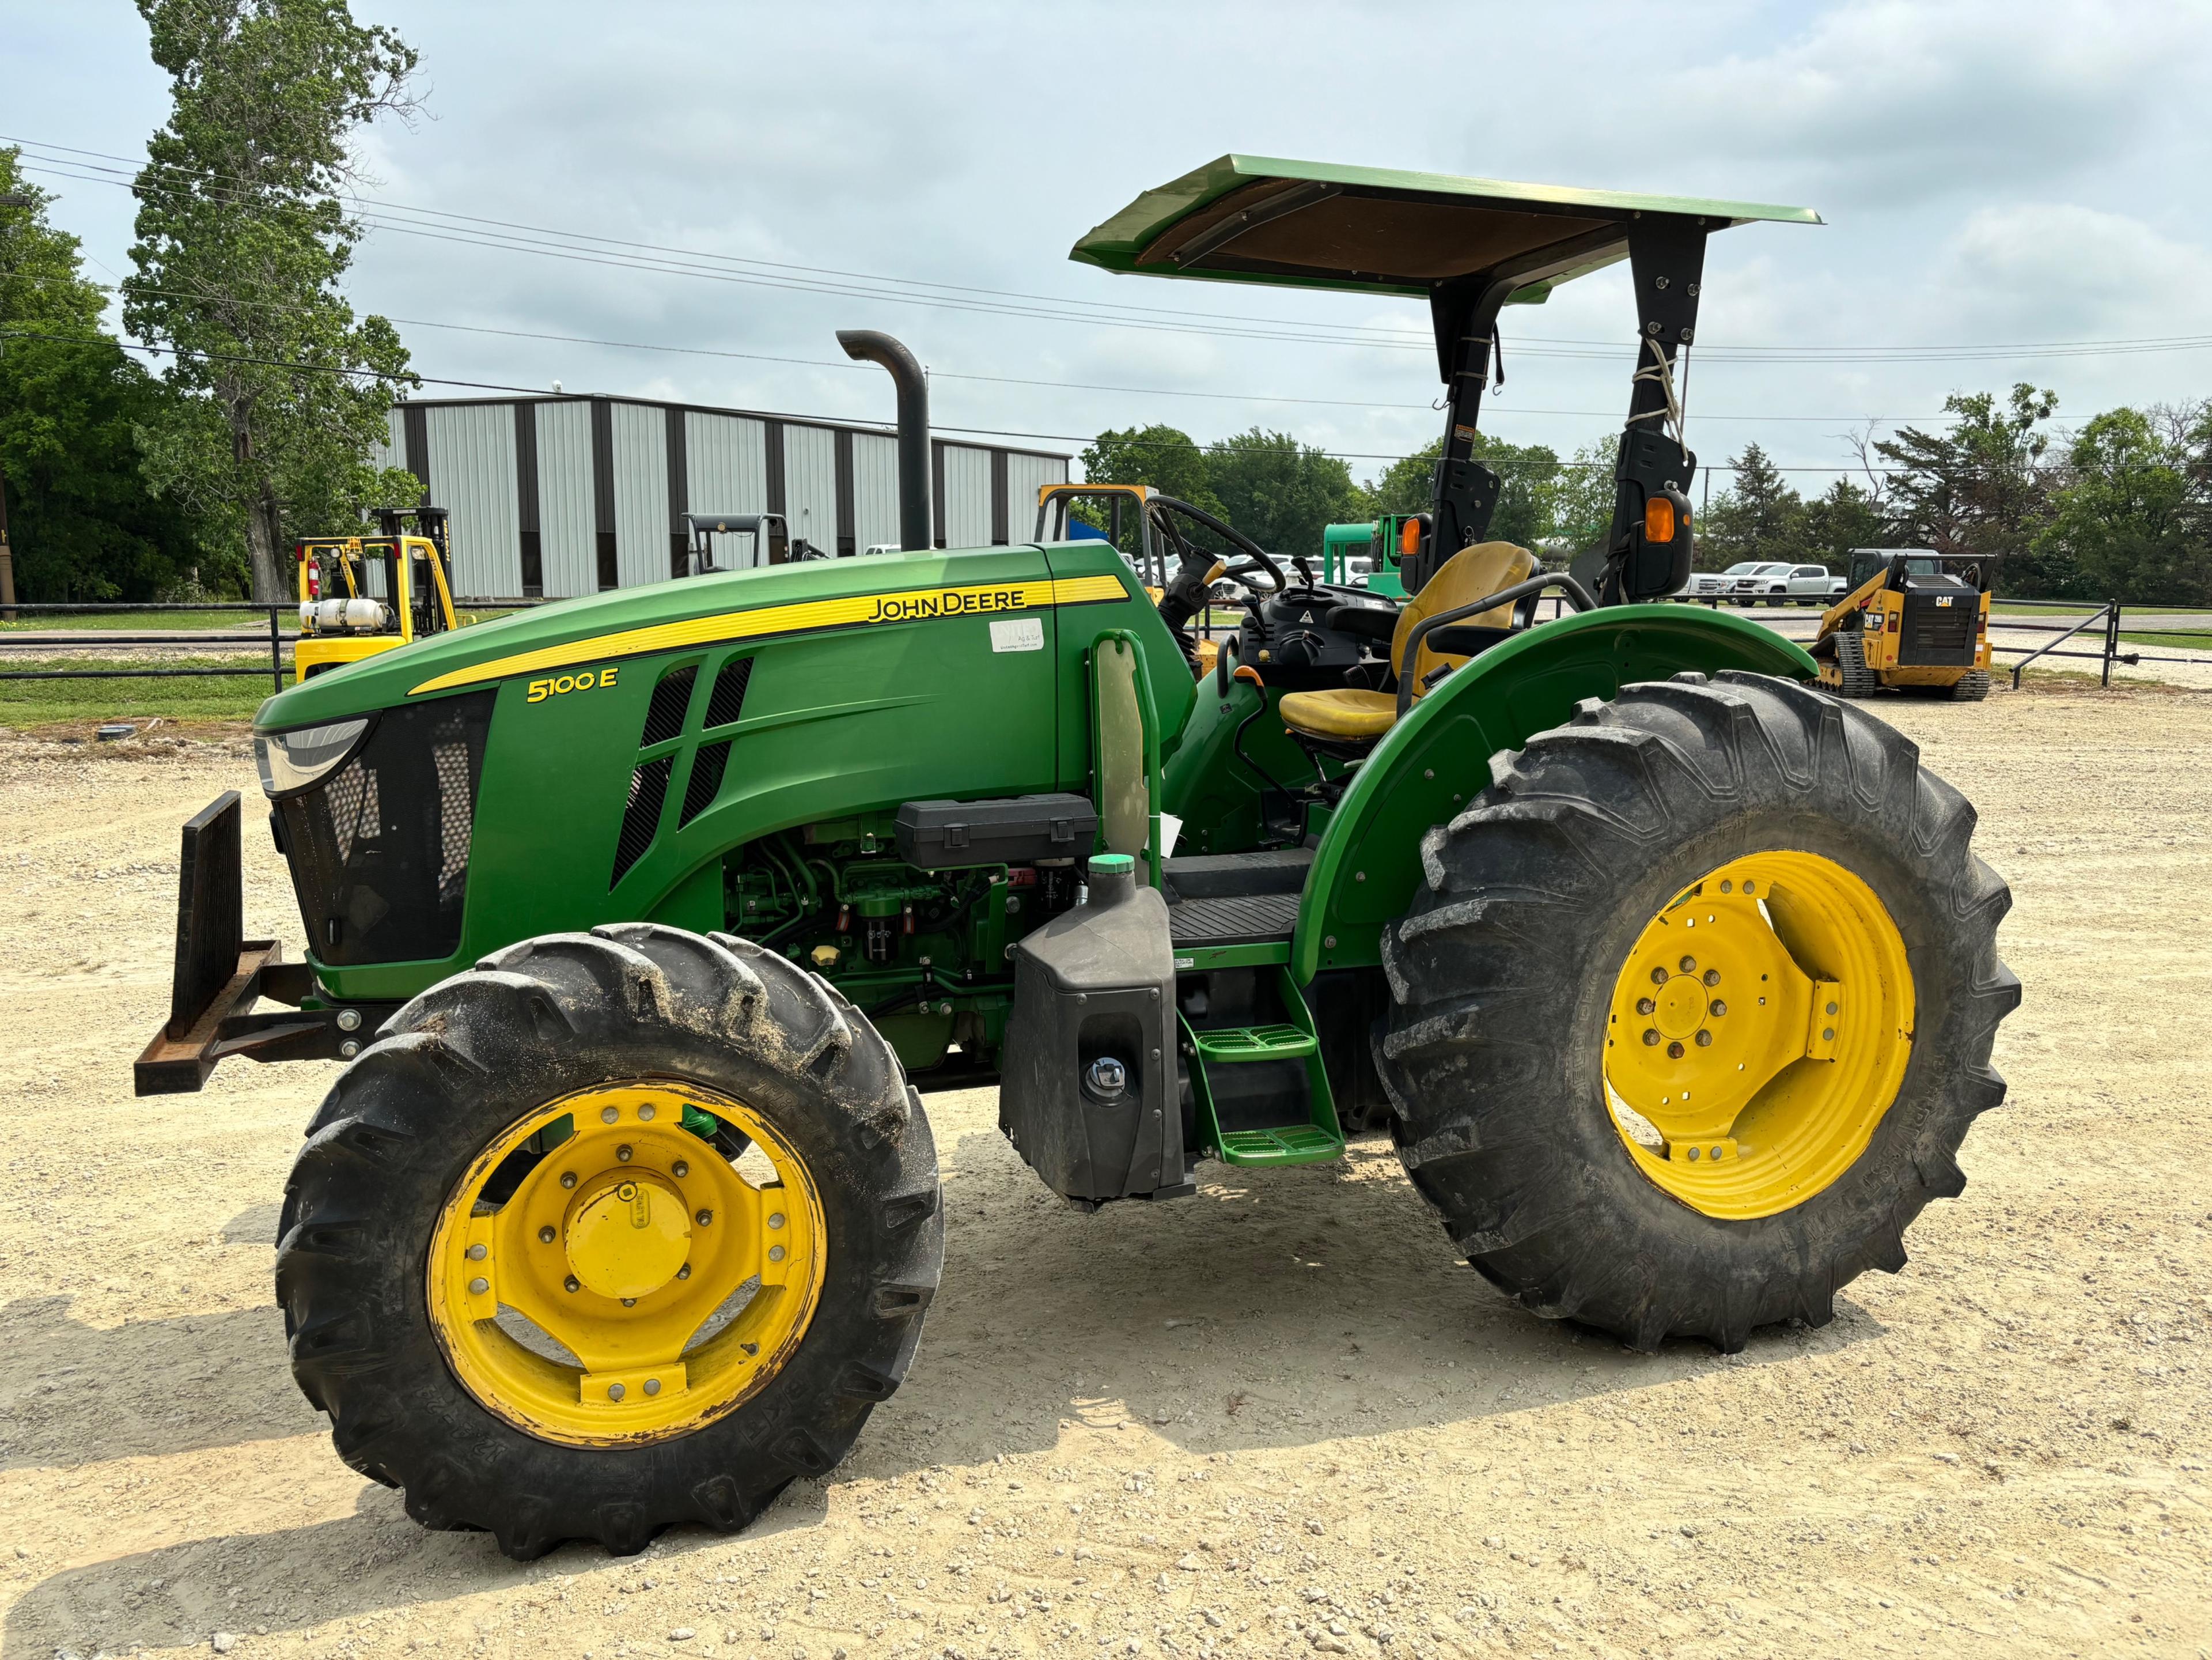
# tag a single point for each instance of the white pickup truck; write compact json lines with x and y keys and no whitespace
{"x":1716,"y":584}
{"x":1780,"y":584}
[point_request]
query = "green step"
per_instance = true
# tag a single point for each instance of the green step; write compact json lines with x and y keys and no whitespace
{"x":1292,"y":1144}
{"x":1238,"y":1044}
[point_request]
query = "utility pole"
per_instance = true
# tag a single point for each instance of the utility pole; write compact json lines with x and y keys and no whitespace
{"x":13,"y":199}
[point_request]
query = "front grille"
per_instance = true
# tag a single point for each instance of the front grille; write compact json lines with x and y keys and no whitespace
{"x":379,"y":850}
{"x":1938,"y":635}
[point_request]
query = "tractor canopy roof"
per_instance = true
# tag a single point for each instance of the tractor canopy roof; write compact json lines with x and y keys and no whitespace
{"x":1309,"y":224}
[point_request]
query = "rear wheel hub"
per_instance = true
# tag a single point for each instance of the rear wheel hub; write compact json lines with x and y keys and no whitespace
{"x":1759,"y":1030}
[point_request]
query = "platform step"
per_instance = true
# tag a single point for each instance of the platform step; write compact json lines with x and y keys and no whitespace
{"x":1292,"y":1144}
{"x":1238,"y":1043}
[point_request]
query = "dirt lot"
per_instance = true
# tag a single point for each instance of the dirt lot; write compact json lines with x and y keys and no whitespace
{"x":1278,"y":1418}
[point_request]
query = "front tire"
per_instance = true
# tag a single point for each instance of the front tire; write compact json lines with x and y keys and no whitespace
{"x":1511,"y":972}
{"x":651,"y":1064}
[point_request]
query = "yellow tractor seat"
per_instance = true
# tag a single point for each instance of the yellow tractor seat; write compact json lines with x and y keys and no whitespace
{"x":1350,"y":715}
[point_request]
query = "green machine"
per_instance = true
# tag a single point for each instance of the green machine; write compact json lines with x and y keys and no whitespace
{"x":642,"y":923}
{"x":1366,"y":555}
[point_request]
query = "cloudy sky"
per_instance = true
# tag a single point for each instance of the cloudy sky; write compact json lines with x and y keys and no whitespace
{"x":1996,"y":178}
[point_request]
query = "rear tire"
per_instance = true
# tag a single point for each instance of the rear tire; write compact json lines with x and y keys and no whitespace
{"x":1502,"y":970}
{"x":402,"y":1127}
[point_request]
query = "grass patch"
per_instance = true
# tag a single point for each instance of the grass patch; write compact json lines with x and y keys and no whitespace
{"x":135,"y":622}
{"x":26,"y":703}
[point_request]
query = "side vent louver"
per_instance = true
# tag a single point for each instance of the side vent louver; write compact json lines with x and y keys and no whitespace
{"x":728,"y":701}
{"x":706,"y":783}
{"x":648,"y":789}
{"x":664,"y":717}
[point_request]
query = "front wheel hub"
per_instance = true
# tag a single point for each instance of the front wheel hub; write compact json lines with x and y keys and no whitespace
{"x":628,"y":1236}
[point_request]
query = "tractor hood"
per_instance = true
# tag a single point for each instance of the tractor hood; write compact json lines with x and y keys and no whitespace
{"x":1308,"y":224}
{"x":610,"y":627}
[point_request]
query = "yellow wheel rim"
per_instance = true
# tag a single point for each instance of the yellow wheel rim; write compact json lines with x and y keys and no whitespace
{"x":632,"y":1283}
{"x":1759,"y":1030}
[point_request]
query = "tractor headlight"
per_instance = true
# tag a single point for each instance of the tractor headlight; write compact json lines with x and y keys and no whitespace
{"x":293,"y":760}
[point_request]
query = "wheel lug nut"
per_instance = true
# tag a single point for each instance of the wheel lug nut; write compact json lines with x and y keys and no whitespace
{"x":1704,"y":1040}
{"x":684,"y":1272}
{"x":653,"y":1386}
{"x":476,"y":1253}
{"x":1717,"y":1007}
{"x":1728,"y":887}
{"x":1751,"y":887}
{"x":614,"y":1390}
{"x":629,"y":1302}
{"x":1645,"y":1006}
{"x":1651,"y":1036}
{"x":567,"y":1178}
{"x":608,"y":1114}
{"x":679,"y":1170}
{"x":1712,"y":977}
{"x":1689,"y":965}
{"x":569,"y":1284}
{"x":478,"y":1286}
{"x":621,"y":1155}
{"x":1673,"y":1051}
{"x":1658,"y":977}
{"x":775,"y":1253}
{"x":645,"y":1113}
{"x":546,"y":1235}
{"x":705,"y":1219}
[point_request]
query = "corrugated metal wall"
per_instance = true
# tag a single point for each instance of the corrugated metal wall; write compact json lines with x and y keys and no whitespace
{"x":566,"y":542}
{"x":728,"y":457}
{"x":1025,"y":475}
{"x":474,"y":474}
{"x":641,"y":545}
{"x":967,"y":497}
{"x":810,"y":484}
{"x":875,"y":492}
{"x":468,"y":449}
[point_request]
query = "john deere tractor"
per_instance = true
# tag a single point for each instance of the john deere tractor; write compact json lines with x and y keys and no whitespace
{"x":644,"y":922}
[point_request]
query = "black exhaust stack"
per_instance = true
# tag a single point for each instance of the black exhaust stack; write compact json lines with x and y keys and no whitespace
{"x":873,"y":346}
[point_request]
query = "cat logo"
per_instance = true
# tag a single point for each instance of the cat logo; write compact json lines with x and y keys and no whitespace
{"x":1942,"y":598}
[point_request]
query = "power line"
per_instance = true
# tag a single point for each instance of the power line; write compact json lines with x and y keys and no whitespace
{"x":438,"y":224}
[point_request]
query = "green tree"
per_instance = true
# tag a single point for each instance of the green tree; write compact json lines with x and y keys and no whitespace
{"x":1166,"y":458}
{"x":2125,"y":524}
{"x":1581,"y":504}
{"x":82,"y":522}
{"x":1280,"y":493}
{"x":1530,"y":481}
{"x":241,"y":242}
{"x":1981,"y":487}
{"x":1759,"y":516}
{"x":1844,"y":518}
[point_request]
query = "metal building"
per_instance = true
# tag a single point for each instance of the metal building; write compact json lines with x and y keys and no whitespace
{"x":560,"y":496}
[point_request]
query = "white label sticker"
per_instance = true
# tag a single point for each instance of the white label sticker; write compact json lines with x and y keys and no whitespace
{"x":1017,"y":634}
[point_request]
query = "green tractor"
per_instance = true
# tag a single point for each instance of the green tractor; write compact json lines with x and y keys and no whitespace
{"x":644,"y":921}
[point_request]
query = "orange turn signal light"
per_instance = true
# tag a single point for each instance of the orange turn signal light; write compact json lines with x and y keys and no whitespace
{"x":1659,"y":521}
{"x":1409,"y":537}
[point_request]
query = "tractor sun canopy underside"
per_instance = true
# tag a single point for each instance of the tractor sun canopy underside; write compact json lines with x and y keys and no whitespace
{"x":1305,"y":224}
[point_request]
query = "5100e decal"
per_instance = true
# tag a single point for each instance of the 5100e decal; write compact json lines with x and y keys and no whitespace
{"x":542,"y":689}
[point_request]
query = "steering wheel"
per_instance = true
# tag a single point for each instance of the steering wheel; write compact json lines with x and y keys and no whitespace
{"x":1252,"y":561}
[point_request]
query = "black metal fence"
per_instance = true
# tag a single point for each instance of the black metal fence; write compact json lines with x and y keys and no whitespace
{"x":278,"y":639}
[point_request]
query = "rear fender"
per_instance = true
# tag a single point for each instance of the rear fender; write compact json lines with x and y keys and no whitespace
{"x":1435,"y":760}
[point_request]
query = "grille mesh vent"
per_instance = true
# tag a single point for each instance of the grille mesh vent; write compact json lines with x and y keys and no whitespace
{"x":728,"y":701}
{"x":648,"y":789}
{"x":706,"y":780}
{"x":664,"y":717}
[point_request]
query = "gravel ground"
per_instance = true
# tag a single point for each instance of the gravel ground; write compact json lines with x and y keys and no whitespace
{"x":1275,"y":1419}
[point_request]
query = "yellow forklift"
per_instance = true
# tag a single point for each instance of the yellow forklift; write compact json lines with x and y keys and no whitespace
{"x":360,"y":595}
{"x":1914,"y":619}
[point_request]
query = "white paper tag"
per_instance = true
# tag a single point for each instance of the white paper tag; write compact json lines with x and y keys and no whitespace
{"x":1017,"y":634}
